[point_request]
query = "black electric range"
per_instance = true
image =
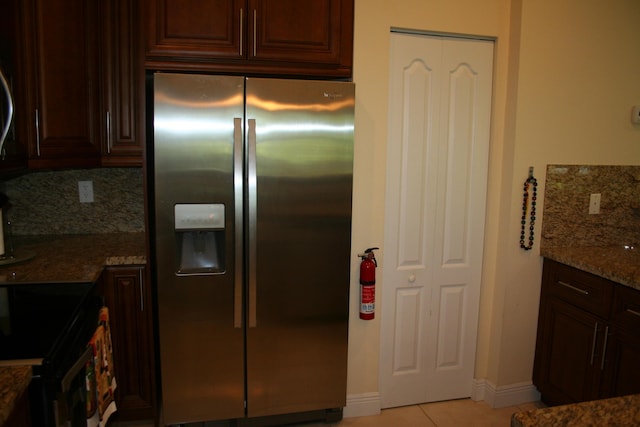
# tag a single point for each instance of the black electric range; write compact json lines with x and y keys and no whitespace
{"x":48,"y":327}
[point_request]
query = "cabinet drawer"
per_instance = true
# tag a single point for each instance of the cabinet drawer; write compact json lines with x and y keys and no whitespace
{"x":626,"y":309}
{"x":579,"y":288}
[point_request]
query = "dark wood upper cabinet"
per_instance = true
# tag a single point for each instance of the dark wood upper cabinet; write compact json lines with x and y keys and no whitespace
{"x":61,"y":109}
{"x":122,"y":90}
{"x":264,"y":37}
{"x":79,"y":103}
{"x":195,"y":29}
{"x":295,"y":31}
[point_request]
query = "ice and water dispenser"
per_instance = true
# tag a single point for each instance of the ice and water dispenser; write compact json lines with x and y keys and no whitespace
{"x":200,"y":238}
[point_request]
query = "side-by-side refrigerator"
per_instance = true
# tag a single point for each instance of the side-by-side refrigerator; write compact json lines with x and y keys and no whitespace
{"x":252,"y":224}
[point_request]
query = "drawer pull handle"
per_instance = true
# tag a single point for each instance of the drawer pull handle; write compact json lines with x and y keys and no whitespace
{"x":634,"y":312}
{"x":566,"y":285}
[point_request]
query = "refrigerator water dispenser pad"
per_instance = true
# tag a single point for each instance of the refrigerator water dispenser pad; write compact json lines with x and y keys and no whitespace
{"x":200,"y":237}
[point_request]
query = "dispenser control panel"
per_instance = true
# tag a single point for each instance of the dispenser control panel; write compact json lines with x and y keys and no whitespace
{"x":200,"y":216}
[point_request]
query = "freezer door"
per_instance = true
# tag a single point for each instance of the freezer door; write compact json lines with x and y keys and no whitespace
{"x":197,"y":142}
{"x":300,"y":158}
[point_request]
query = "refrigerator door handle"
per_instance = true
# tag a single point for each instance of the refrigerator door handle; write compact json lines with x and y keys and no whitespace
{"x":238,"y":196}
{"x":252,"y":205}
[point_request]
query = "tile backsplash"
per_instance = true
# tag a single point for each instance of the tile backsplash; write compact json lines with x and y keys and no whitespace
{"x":567,"y":221}
{"x":48,"y":202}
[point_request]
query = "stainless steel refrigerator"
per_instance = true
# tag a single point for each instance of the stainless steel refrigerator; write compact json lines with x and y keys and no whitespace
{"x":252,"y":225}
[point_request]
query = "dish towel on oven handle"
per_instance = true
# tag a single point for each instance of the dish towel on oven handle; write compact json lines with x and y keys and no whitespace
{"x":101,"y":382}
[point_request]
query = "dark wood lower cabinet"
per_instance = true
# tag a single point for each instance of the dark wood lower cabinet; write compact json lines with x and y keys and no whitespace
{"x":129,"y":300}
{"x":588,"y":343}
{"x":567,"y":369}
{"x":622,"y":374}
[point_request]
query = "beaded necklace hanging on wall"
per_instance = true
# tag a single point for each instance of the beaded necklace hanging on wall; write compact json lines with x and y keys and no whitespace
{"x":532,"y":183}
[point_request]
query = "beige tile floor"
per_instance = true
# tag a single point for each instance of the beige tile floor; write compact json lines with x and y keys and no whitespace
{"x":453,"y":413}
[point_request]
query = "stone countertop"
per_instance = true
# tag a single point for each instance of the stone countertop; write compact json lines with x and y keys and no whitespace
{"x":617,"y":411}
{"x":620,"y":264}
{"x":72,"y":258}
{"x":14,"y":381}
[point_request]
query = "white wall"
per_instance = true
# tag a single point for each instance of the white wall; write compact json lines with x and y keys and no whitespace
{"x":566,"y":76}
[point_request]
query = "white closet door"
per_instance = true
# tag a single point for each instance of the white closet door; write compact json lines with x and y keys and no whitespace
{"x":439,"y":126}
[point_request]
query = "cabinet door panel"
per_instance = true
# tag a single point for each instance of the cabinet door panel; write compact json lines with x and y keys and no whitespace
{"x":197,"y":28}
{"x":568,"y":368}
{"x":127,"y":297}
{"x":257,"y":37}
{"x":297,"y":31}
{"x":64,"y":87}
{"x":122,"y":115}
{"x":622,"y":375}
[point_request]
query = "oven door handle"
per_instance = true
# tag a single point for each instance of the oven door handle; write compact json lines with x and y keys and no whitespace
{"x":4,"y":85}
{"x":73,"y":371}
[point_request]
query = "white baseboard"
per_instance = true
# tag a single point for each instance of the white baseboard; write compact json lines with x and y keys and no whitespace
{"x":503,"y":396}
{"x":365,"y":404}
{"x":361,"y":405}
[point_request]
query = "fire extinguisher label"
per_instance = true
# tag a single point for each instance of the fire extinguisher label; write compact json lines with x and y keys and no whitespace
{"x":367,"y":304}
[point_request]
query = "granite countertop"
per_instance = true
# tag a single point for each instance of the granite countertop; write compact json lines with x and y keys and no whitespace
{"x":617,"y":411}
{"x":14,"y":381}
{"x":620,"y":263}
{"x":72,"y":258}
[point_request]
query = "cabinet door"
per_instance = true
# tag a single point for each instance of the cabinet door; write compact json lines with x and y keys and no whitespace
{"x":568,"y":353}
{"x":128,"y":299}
{"x":274,"y":37}
{"x":301,"y":31}
{"x":122,"y":107}
{"x":200,"y":29}
{"x":622,"y":375}
{"x":62,"y":82}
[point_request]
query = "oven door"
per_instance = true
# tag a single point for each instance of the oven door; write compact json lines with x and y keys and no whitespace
{"x":57,"y":391}
{"x":70,"y":404}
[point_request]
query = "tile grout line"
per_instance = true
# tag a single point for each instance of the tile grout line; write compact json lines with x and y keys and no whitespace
{"x":427,"y":415}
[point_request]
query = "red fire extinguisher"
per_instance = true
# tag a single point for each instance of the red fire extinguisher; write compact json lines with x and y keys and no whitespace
{"x":368,"y":284}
